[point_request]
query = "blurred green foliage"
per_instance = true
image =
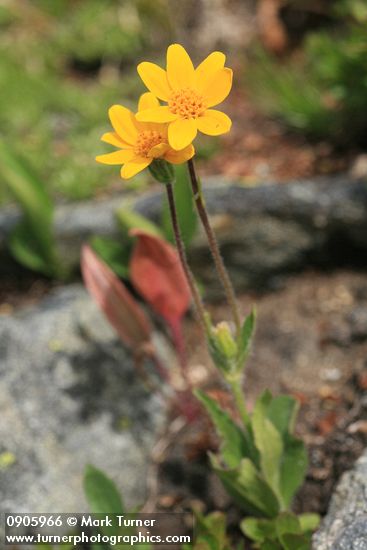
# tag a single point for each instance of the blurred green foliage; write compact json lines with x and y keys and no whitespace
{"x":322,"y":89}
{"x":32,"y":241}
{"x":62,"y":64}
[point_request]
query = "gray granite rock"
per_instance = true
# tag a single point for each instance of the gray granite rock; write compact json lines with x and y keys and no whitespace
{"x":264,"y":232}
{"x":271,"y":230}
{"x":69,"y":396}
{"x":345,"y":526}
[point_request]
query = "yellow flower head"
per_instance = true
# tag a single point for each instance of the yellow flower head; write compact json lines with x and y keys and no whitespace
{"x":139,"y":143}
{"x":189,"y":94}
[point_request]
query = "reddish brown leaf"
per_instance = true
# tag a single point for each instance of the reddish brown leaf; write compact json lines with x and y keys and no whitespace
{"x":120,"y":308}
{"x":157,"y":274}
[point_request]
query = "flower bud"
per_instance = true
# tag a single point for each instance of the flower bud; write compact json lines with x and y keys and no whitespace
{"x":162,"y":171}
{"x":225,"y":339}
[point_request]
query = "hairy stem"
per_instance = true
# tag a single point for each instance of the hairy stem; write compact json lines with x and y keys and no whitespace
{"x":240,"y":402}
{"x":200,"y":311}
{"x":214,"y":247}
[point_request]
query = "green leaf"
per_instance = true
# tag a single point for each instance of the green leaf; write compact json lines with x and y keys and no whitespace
{"x":234,"y":444}
{"x":293,"y":468}
{"x":289,"y":531}
{"x":295,"y":542}
{"x":271,"y":545}
{"x":129,"y":219}
{"x":101,"y":546}
{"x":25,"y":249}
{"x":114,"y":253}
{"x":258,"y":530}
{"x":185,"y":208}
{"x":102,"y":495}
{"x":282,"y":412}
{"x":35,"y":231}
{"x":309,"y":522}
{"x":246,"y":336}
{"x":287,"y":523}
{"x":103,"y":498}
{"x":248,"y":488}
{"x":268,"y":442}
{"x":211,"y":532}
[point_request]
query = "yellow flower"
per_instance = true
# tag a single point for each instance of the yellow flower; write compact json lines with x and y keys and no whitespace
{"x":189,"y":94}
{"x":139,"y":143}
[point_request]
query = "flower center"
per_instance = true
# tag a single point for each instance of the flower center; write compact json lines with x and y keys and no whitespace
{"x":186,"y":103}
{"x":146,"y":140}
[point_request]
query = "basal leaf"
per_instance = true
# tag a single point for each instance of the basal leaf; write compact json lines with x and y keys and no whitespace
{"x":287,"y":523}
{"x":309,"y":522}
{"x":156,"y":273}
{"x":296,"y":542}
{"x":293,"y":468}
{"x":271,"y":545}
{"x":211,"y":531}
{"x":248,"y":488}
{"x":257,"y":529}
{"x":101,"y":492}
{"x":282,"y":412}
{"x":121,"y":309}
{"x":268,"y":442}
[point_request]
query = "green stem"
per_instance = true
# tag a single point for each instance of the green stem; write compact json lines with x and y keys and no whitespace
{"x":214,"y":248}
{"x":199,"y":306}
{"x":240,"y":402}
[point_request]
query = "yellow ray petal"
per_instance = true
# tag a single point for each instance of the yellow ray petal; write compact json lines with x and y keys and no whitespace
{"x":181,"y":133}
{"x":147,"y":101}
{"x":158,"y":150}
{"x":178,"y":157}
{"x":159,"y":114}
{"x":155,"y":79}
{"x":180,"y":70}
{"x":133,"y":167}
{"x":214,"y":123}
{"x":219,"y":87}
{"x":117,"y":157}
{"x":207,"y":69}
{"x":113,"y":139}
{"x":124,"y":123}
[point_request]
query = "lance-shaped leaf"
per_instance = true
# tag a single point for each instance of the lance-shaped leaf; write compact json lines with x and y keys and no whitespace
{"x":248,"y":488}
{"x":157,"y":274}
{"x":235,"y":444}
{"x":120,"y":308}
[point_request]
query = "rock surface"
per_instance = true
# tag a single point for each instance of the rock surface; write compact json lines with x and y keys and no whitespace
{"x":264,"y":232}
{"x":345,"y":526}
{"x":69,"y":396}
{"x":272,"y":230}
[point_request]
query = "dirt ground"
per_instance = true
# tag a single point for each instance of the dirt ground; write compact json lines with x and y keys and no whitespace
{"x":311,"y":342}
{"x":260,"y":148}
